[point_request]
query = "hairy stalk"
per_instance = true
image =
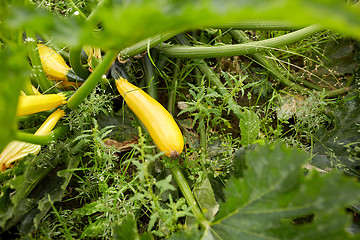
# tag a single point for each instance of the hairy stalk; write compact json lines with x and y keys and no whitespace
{"x":43,"y":139}
{"x":269,"y":25}
{"x":45,"y":84}
{"x":143,"y":45}
{"x":283,"y":75}
{"x":241,"y":37}
{"x":238,"y":49}
{"x":189,"y":197}
{"x":92,"y":81}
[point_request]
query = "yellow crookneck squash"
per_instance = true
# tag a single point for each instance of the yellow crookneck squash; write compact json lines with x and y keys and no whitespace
{"x":158,"y":121}
{"x":56,"y":69}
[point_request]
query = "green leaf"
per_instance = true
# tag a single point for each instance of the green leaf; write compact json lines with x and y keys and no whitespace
{"x":13,"y":71}
{"x":250,"y":127}
{"x":274,"y":200}
{"x":25,"y":197}
{"x":339,"y":146}
{"x":127,"y":230}
{"x":205,"y":197}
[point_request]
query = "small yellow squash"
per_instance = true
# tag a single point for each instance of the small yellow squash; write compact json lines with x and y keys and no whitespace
{"x":30,"y":104}
{"x":158,"y":121}
{"x":56,"y":69}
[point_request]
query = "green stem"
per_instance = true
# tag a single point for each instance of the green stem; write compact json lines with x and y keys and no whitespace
{"x":267,"y":25}
{"x":241,"y":37}
{"x":238,"y":49}
{"x":43,"y":139}
{"x":92,"y":16}
{"x":45,"y":84}
{"x":189,"y":197}
{"x":173,"y":87}
{"x":143,"y":45}
{"x":75,"y":63}
{"x":81,"y":14}
{"x":150,"y":77}
{"x":211,"y":75}
{"x":27,"y":87}
{"x":282,"y":75}
{"x":214,"y":79}
{"x":87,"y":87}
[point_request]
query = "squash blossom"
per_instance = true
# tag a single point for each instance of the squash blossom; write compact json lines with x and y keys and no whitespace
{"x":17,"y":150}
{"x":30,"y":104}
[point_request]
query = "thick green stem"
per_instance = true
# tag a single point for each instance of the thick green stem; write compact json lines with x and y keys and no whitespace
{"x":45,"y":84}
{"x":75,"y":62}
{"x":189,"y":197}
{"x":241,"y":37}
{"x":267,"y":25}
{"x":173,"y":87}
{"x":150,"y":77}
{"x":281,"y":74}
{"x":43,"y":139}
{"x":143,"y":45}
{"x":238,"y":49}
{"x":87,"y":87}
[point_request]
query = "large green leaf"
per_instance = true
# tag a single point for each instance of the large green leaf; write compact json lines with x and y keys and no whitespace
{"x":339,"y":146}
{"x":127,"y":22}
{"x":13,"y":72}
{"x":274,"y":200}
{"x":27,"y":197}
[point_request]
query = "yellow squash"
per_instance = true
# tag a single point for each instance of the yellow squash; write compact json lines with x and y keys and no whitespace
{"x":16,"y":150}
{"x":30,"y":104}
{"x":55,"y":67}
{"x":157,"y":120}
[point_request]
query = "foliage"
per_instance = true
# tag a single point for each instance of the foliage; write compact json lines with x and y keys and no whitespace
{"x":275,"y":200}
{"x":105,"y":178}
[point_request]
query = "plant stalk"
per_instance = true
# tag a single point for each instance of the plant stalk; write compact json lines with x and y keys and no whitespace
{"x":43,"y":139}
{"x":237,"y":49}
{"x":266,"y":25}
{"x":87,"y":87}
{"x":75,"y":62}
{"x":189,"y":197}
{"x":143,"y":45}
{"x":173,"y":87}
{"x":241,"y":37}
{"x":150,"y":77}
{"x":45,"y":84}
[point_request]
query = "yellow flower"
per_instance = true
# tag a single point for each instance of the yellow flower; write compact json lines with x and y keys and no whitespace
{"x":16,"y":150}
{"x":37,"y":103}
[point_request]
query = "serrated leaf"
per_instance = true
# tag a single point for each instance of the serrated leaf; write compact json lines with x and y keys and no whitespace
{"x":205,"y":197}
{"x":274,"y":194}
{"x":250,"y":127}
{"x":339,"y":147}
